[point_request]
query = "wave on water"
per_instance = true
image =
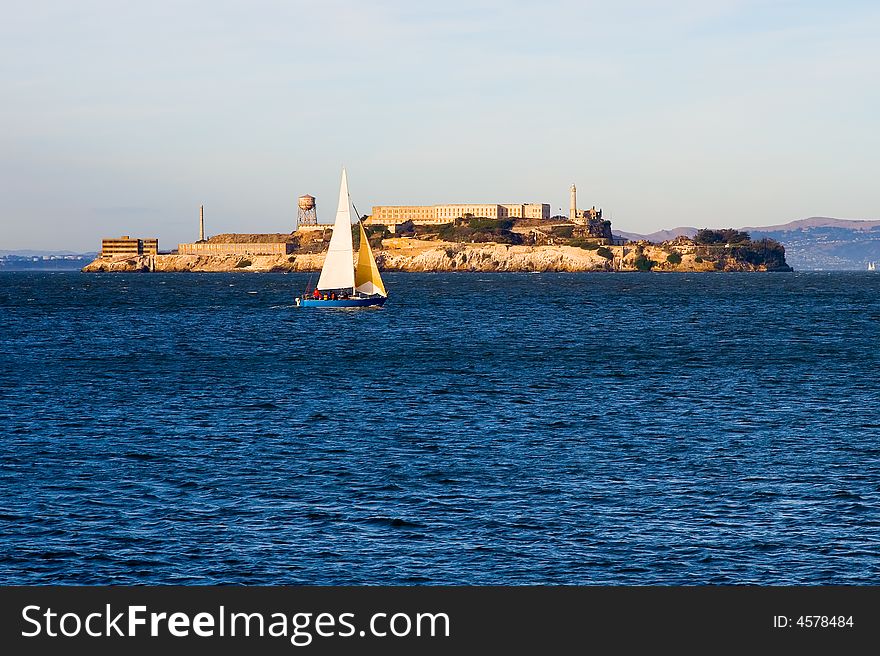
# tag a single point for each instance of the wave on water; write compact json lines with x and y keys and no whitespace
{"x":582,"y":429}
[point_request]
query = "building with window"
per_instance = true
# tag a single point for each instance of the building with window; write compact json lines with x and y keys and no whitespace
{"x":440,"y":214}
{"x":126,"y":246}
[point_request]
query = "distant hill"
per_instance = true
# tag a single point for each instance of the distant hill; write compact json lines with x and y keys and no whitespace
{"x":858,"y":225}
{"x":821,"y":243}
{"x":659,"y":236}
{"x":815,"y":243}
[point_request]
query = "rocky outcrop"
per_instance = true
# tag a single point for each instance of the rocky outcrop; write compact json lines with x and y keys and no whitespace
{"x":494,"y":257}
{"x":208,"y":263}
{"x":402,"y":254}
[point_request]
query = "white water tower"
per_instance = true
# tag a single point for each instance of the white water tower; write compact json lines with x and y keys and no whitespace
{"x":307,"y":215}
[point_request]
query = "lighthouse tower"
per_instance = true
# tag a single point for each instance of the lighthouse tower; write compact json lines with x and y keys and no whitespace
{"x":574,"y":204}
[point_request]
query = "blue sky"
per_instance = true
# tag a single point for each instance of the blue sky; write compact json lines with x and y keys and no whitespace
{"x":121,"y":118}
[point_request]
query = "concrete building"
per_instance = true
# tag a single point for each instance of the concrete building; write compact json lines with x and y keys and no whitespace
{"x":397,"y":214}
{"x":236,"y":244}
{"x":582,"y":217}
{"x":126,"y":246}
{"x":440,"y":214}
{"x":451,"y":212}
{"x":529,"y":211}
{"x":585,"y":216}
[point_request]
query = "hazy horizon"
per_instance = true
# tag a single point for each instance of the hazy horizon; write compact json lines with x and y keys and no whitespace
{"x":123,"y":119}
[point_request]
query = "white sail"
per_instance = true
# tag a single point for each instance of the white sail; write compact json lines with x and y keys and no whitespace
{"x":338,"y":269}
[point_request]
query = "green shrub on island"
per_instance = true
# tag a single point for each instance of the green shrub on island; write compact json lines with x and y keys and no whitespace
{"x":375,"y":235}
{"x":480,"y":230}
{"x":727,"y":236}
{"x":738,"y":245}
{"x":405,"y":229}
{"x":356,"y":236}
{"x":377,"y":231}
{"x":605,"y":252}
{"x":418,"y":230}
{"x":484,"y":224}
{"x":243,"y":263}
{"x":674,"y":258}
{"x":764,"y":252}
{"x":643,"y":263}
{"x":586,"y":244}
{"x":565,"y":232}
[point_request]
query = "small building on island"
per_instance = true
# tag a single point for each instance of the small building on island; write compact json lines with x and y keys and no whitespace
{"x":126,"y":246}
{"x":236,"y":244}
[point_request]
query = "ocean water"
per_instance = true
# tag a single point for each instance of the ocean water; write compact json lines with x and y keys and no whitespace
{"x":480,"y":429}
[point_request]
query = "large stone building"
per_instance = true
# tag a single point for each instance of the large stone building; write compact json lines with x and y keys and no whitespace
{"x":126,"y":246}
{"x":440,"y":214}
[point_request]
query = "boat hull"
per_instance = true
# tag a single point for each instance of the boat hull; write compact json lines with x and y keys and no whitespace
{"x":377,"y":301}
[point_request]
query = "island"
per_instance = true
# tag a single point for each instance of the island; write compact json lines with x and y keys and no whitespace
{"x":467,"y":244}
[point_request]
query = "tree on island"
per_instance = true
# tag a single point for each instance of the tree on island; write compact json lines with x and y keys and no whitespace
{"x":643,"y":263}
{"x":480,"y":230}
{"x":729,"y":243}
{"x":767,"y":252}
{"x":725,"y":236}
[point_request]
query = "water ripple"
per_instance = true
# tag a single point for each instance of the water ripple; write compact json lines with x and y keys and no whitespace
{"x":509,"y":429}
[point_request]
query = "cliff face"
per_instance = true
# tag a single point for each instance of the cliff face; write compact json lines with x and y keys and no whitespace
{"x":415,"y":255}
{"x":207,"y":263}
{"x":492,"y":257}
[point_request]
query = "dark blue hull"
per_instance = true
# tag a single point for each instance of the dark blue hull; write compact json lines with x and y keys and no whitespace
{"x":378,"y":301}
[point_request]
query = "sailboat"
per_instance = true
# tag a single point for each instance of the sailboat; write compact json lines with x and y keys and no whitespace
{"x":341,"y":283}
{"x":872,"y":266}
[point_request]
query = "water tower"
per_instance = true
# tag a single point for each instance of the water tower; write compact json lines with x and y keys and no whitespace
{"x":307,"y":215}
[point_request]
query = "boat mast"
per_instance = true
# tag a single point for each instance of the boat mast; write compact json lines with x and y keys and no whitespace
{"x":358,"y":216}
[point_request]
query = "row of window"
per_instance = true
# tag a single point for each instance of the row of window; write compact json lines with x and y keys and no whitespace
{"x":452,"y":212}
{"x":128,"y":247}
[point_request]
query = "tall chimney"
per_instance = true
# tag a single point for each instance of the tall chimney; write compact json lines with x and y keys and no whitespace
{"x":201,"y":223}
{"x":574,"y":204}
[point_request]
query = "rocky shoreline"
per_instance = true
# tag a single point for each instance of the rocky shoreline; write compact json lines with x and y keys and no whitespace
{"x":403,"y":254}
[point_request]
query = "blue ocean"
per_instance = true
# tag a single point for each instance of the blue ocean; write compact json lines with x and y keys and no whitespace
{"x":647,"y":429}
